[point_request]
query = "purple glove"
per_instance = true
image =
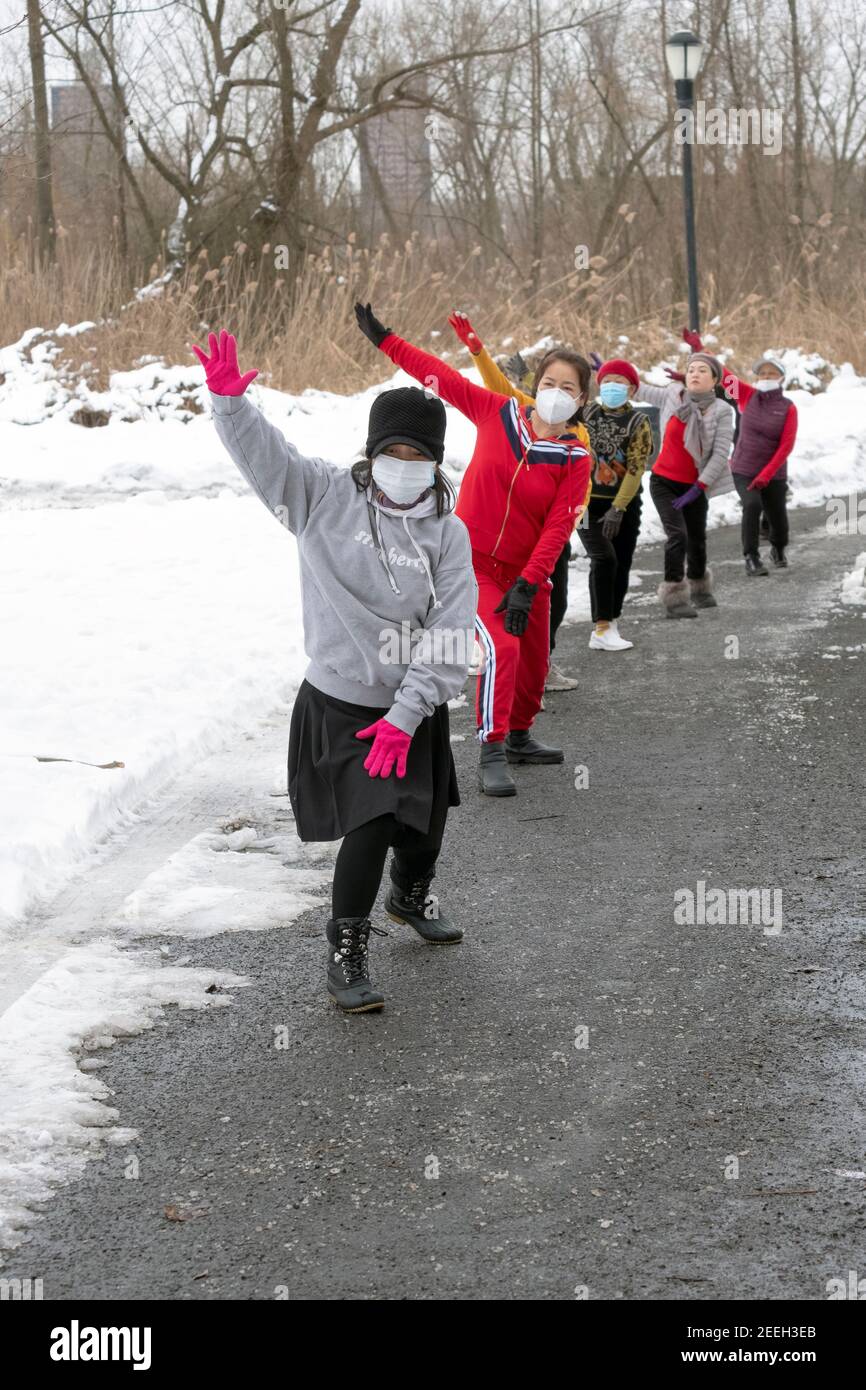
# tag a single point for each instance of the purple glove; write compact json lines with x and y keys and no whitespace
{"x":221,"y":368}
{"x":674,"y":376}
{"x":690,"y":496}
{"x":390,"y":745}
{"x":595,"y":360}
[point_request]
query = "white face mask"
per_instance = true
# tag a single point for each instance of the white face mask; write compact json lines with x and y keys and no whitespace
{"x":403,"y":480}
{"x":771,"y":384}
{"x":555,"y":406}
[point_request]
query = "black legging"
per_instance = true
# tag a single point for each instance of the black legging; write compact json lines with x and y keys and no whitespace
{"x":361,"y":862}
{"x":773,"y":503}
{"x":686,"y":529}
{"x":559,"y":593}
{"x":610,"y":561}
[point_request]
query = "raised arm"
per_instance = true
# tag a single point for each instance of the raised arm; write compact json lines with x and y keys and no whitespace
{"x":492,"y":375}
{"x":441,"y":380}
{"x":289,"y":484}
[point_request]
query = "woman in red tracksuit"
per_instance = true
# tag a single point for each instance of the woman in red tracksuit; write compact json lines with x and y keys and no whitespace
{"x":519,"y":500}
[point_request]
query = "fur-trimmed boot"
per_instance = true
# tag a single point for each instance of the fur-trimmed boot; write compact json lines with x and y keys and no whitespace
{"x":701,"y":591}
{"x":674,"y":594}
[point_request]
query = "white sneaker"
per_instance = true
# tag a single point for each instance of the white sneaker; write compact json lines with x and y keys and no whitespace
{"x":609,"y":640}
{"x":558,"y":680}
{"x":478,"y":664}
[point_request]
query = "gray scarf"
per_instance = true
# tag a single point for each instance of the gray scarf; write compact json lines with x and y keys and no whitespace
{"x":700,"y":430}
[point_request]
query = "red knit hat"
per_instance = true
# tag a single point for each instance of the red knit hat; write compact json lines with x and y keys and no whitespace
{"x":617,"y":366}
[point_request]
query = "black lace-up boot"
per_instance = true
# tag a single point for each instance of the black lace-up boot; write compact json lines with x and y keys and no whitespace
{"x":410,"y":901}
{"x":348,"y":979}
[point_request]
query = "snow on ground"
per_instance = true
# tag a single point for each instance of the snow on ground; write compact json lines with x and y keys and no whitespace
{"x":854,"y":583}
{"x":54,"y":1110}
{"x":153,"y":616}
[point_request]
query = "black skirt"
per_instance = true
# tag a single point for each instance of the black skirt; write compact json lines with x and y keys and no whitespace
{"x":329,"y":788}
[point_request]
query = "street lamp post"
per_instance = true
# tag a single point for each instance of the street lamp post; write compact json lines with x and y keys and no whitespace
{"x":683,"y":52}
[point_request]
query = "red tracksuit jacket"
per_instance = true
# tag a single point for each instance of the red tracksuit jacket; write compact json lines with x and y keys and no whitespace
{"x":520,"y":496}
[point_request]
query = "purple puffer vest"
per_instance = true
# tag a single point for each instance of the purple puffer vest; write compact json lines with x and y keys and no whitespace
{"x":761,"y":425}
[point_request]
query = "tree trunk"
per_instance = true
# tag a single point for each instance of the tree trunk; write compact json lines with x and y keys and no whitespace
{"x":45,"y":230}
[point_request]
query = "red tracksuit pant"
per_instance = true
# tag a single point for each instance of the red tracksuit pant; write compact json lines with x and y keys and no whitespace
{"x":511,"y":687}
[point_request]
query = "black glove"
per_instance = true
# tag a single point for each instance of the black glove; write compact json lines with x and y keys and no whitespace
{"x":516,"y":369}
{"x":611,"y":522}
{"x":517,"y":602}
{"x":370,"y":325}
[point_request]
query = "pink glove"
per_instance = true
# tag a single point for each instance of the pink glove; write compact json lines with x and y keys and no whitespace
{"x":221,"y":368}
{"x":390,"y":745}
{"x":465,"y":332}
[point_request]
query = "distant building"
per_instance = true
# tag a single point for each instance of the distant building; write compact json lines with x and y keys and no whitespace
{"x":396,"y":173}
{"x":84,"y":162}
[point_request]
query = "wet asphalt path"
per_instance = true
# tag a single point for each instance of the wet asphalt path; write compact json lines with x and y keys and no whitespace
{"x":460,"y":1145}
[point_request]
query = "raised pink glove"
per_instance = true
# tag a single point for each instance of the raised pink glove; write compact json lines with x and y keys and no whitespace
{"x":390,"y":745}
{"x":221,"y":368}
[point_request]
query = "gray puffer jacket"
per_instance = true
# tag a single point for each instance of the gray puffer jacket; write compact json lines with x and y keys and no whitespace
{"x":715,"y":470}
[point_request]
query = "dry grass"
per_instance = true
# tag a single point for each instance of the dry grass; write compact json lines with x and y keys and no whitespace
{"x":308,"y":337}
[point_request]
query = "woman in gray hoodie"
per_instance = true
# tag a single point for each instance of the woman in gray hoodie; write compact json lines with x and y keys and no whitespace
{"x":388,"y":600}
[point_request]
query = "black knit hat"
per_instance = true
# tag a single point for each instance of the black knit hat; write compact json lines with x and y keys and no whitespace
{"x":407,"y":415}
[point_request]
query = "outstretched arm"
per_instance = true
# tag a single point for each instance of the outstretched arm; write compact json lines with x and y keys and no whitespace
{"x":437,"y":376}
{"x":289,"y":484}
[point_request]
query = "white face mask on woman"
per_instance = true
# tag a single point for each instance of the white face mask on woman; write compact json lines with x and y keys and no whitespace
{"x":402,"y":480}
{"x":769,"y":383}
{"x":555,"y":406}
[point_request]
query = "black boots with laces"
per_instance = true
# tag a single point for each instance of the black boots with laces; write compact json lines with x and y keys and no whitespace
{"x":348,"y":967}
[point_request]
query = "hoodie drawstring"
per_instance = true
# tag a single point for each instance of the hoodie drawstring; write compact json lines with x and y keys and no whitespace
{"x":373,"y":508}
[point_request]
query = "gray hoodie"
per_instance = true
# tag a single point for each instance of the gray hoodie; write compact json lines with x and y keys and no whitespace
{"x":388,"y":597}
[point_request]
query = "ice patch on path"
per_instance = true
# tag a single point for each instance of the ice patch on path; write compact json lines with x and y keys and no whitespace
{"x":854,"y":583}
{"x":55,"y":1117}
{"x":222,"y":882}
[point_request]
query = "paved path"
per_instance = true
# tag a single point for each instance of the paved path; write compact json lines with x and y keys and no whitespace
{"x":460,"y":1144}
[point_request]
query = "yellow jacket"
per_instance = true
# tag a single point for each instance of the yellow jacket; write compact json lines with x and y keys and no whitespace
{"x":495,"y":380}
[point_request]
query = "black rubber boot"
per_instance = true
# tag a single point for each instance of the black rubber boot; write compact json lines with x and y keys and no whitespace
{"x":755,"y":566}
{"x":778,"y":557}
{"x":409,"y":900}
{"x":494,"y":778}
{"x":348,"y":981}
{"x":521,"y":747}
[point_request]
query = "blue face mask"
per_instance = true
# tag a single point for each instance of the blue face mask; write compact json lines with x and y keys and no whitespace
{"x":613,"y":393}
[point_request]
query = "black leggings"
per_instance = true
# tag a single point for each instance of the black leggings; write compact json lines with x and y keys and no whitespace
{"x":361,"y":862}
{"x":773,"y":503}
{"x":686,"y":530}
{"x":559,"y":592}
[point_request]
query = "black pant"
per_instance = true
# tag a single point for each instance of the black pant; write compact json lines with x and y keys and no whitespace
{"x":772,"y":499}
{"x":609,"y":561}
{"x":559,"y":593}
{"x":686,"y":530}
{"x":361,"y":861}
